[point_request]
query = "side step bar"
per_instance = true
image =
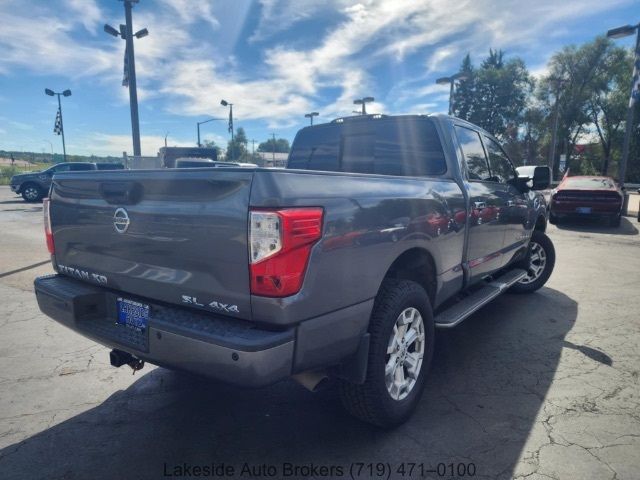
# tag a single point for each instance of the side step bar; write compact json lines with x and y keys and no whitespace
{"x":461,"y":310}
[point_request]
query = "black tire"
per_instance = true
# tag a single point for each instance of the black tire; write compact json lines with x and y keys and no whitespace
{"x":615,"y":221}
{"x":371,"y":401}
{"x":32,"y":193}
{"x":541,"y":239}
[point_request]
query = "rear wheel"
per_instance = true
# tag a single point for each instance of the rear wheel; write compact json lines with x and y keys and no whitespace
{"x":402,"y":338}
{"x":32,"y":193}
{"x":542,"y":258}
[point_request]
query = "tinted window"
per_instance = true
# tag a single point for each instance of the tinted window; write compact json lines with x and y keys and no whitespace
{"x":61,"y":167}
{"x":409,"y":146}
{"x":501,"y":168}
{"x":474,"y":156}
{"x":403,"y":146}
{"x":316,"y":149}
{"x":592,"y":183}
{"x":81,"y":166}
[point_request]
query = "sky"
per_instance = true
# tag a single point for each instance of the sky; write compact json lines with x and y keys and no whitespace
{"x":275,"y":60}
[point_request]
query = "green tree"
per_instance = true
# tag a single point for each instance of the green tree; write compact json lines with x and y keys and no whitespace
{"x":237,"y":148}
{"x":212,"y":144}
{"x":495,"y":95}
{"x":281,"y":146}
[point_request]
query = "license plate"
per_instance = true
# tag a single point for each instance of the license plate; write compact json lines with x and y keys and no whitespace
{"x":583,"y":209}
{"x":134,"y":315}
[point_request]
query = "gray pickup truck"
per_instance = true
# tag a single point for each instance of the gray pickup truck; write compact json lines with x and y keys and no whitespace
{"x":342,"y":266}
{"x":33,"y":186}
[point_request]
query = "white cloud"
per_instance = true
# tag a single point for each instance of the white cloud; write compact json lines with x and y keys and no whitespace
{"x":114,"y":144}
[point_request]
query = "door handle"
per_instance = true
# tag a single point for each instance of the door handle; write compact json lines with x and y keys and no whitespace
{"x":480,"y":205}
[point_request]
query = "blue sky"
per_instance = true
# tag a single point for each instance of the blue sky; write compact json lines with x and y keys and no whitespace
{"x":274,"y":59}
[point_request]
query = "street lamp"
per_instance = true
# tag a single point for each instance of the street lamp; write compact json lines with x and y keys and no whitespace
{"x":126,"y":33}
{"x":310,"y":116}
{"x":205,"y":121}
{"x":363,"y":102}
{"x":59,"y":129}
{"x":620,"y":32}
{"x":224,"y":103}
{"x":451,"y":82}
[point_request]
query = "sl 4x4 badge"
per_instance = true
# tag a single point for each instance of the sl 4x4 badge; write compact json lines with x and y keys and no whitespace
{"x":214,"y":305}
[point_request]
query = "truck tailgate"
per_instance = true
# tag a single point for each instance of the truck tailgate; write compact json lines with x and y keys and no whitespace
{"x":178,"y":236}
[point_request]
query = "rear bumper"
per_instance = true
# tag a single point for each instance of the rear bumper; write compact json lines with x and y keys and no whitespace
{"x":230,"y":350}
{"x":571,"y":209}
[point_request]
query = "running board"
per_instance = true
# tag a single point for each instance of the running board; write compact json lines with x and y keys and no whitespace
{"x":461,"y":310}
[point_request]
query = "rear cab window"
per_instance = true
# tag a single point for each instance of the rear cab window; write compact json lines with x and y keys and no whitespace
{"x":399,"y":146}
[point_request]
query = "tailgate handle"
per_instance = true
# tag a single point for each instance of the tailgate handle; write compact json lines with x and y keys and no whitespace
{"x":121,"y":193}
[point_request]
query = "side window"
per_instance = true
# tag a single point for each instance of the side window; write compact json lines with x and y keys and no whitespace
{"x":61,"y":167}
{"x":81,"y":166}
{"x":501,"y":168}
{"x":474,"y":156}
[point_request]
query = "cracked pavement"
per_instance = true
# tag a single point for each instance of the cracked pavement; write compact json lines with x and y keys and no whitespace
{"x":542,"y":386}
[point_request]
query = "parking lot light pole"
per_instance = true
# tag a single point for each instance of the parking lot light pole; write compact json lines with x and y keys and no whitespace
{"x":205,"y":121}
{"x":66,"y":93}
{"x":621,"y":32}
{"x":451,"y":82}
{"x":126,"y":33}
{"x":310,"y":116}
{"x":363,"y":102}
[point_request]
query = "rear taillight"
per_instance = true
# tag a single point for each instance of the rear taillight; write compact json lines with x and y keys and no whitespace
{"x":47,"y":225}
{"x":280,"y":242}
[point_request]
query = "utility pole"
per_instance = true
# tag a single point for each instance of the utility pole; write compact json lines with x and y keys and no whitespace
{"x":554,"y":133}
{"x":126,"y":33}
{"x":274,"y":149}
{"x":59,"y":126}
{"x":253,"y":147}
{"x":133,"y":90}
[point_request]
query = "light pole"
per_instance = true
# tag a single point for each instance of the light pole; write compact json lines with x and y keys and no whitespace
{"x":59,"y":129}
{"x":200,"y":123}
{"x":224,"y":103}
{"x":274,"y":149}
{"x":126,"y":33}
{"x":310,"y":116}
{"x":635,"y":93}
{"x":363,"y":101}
{"x":559,"y":82}
{"x":451,"y":82}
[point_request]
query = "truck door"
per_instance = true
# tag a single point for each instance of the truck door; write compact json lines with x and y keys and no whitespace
{"x":515,"y":215}
{"x":486,"y":205}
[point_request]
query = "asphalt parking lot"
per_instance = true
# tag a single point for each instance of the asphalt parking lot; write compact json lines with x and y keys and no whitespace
{"x":539,"y":386}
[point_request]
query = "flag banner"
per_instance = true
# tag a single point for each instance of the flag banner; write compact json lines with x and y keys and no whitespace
{"x":230,"y":122}
{"x":635,"y":89}
{"x":125,"y":75}
{"x":57,"y":127}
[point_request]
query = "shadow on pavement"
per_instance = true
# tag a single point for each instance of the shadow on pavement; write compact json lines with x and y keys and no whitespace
{"x":489,"y":379}
{"x":594,"y":225}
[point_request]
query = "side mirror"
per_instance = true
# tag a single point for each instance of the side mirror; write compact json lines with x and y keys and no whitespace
{"x":539,"y":176}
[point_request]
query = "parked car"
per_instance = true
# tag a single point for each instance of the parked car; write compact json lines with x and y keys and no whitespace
{"x":380,"y":230}
{"x":33,"y":186}
{"x":587,"y":196}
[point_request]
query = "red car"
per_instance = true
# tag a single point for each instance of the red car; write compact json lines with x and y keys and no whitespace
{"x":587,"y":197}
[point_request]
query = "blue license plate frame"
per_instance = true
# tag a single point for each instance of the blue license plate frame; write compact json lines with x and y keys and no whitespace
{"x":132,"y":314}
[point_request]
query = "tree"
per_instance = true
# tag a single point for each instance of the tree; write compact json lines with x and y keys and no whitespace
{"x":212,"y":144}
{"x":574,"y":74}
{"x":608,"y":103}
{"x":237,"y":148}
{"x":281,"y":146}
{"x":495,"y":95}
